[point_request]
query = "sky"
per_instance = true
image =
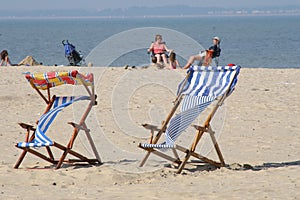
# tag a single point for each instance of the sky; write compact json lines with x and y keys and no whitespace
{"x":28,"y":5}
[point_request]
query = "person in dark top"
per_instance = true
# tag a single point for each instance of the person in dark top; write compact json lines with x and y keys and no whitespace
{"x":207,"y":55}
{"x":4,"y":58}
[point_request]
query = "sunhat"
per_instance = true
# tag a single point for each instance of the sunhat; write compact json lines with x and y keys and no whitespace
{"x":216,"y":38}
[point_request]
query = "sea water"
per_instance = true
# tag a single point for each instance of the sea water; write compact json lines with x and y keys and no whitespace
{"x":249,"y":41}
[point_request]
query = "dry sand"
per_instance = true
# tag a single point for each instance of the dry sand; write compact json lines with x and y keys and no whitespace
{"x":259,"y":137}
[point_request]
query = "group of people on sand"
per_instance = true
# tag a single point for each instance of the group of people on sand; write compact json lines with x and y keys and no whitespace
{"x":163,"y":57}
{"x":159,"y":53}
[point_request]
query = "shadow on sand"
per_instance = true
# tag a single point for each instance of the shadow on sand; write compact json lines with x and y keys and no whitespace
{"x":194,"y":166}
{"x":264,"y":166}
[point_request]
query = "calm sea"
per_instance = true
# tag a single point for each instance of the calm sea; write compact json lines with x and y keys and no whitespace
{"x":249,"y":41}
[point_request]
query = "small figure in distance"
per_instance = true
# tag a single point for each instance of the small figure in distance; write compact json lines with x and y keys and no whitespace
{"x":159,"y":49}
{"x":5,"y":59}
{"x":155,"y":63}
{"x":173,"y":61}
{"x":207,"y":55}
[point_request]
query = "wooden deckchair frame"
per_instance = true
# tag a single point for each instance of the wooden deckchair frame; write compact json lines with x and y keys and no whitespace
{"x":206,"y":128}
{"x":30,"y":133}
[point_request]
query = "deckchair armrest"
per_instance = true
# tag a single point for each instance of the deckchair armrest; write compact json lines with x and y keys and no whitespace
{"x":150,"y":127}
{"x":199,"y":128}
{"x":27,"y":126}
{"x":204,"y":129}
{"x":78,"y":126}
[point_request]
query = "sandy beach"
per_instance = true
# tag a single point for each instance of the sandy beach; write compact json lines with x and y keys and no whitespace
{"x":259,"y":135}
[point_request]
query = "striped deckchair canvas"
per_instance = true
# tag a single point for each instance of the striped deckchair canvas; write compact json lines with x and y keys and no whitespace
{"x":36,"y":137}
{"x":52,"y":79}
{"x":201,"y":87}
{"x":41,"y":139}
{"x":182,"y":120}
{"x":209,"y":81}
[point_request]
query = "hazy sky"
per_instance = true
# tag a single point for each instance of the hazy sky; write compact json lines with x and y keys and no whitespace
{"x":103,"y":4}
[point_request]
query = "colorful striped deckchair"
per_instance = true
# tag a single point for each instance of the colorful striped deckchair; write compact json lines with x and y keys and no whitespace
{"x":38,"y":138}
{"x":202,"y":86}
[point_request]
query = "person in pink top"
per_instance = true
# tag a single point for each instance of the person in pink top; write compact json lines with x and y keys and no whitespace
{"x":159,"y":49}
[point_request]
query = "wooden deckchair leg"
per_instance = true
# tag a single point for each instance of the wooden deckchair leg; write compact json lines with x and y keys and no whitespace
{"x":27,"y":139}
{"x":50,"y":153}
{"x":175,"y":154}
{"x":92,"y":143}
{"x":151,"y":136}
{"x":70,"y":145}
{"x":66,"y":149}
{"x":62,"y":158}
{"x":145,"y":158}
{"x":218,"y":150}
{"x":189,"y":152}
{"x":90,"y":139}
{"x":22,"y":156}
{"x":186,"y":158}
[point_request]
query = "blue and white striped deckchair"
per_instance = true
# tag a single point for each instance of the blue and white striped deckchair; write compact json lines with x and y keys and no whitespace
{"x":41,"y":139}
{"x":38,"y":139}
{"x":201,"y":87}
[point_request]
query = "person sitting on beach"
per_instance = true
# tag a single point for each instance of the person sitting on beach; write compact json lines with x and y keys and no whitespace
{"x":159,"y":49}
{"x":173,"y":61}
{"x":5,"y":59}
{"x":207,"y":55}
{"x":155,"y":63}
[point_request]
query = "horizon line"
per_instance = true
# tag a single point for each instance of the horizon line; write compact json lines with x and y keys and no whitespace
{"x":151,"y":16}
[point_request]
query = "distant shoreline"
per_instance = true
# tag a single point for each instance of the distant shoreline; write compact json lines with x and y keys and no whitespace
{"x":149,"y":16}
